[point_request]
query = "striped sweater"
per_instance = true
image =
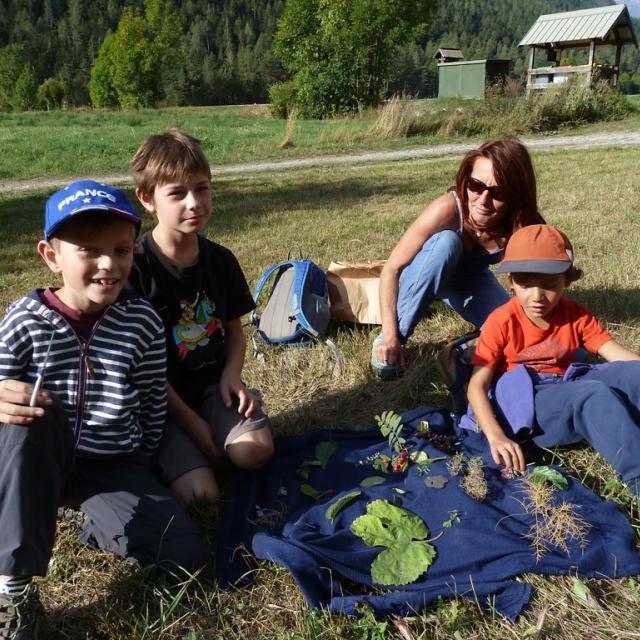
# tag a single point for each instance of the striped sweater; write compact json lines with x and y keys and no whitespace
{"x":113,"y":387}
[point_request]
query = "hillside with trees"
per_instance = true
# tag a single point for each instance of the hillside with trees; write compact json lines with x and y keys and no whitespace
{"x":194,"y":52}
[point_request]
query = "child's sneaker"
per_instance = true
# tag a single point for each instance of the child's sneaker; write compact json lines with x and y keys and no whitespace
{"x":18,"y":614}
{"x":383,"y":371}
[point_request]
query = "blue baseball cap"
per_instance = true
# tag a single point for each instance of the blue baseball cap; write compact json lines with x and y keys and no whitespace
{"x":87,"y":195}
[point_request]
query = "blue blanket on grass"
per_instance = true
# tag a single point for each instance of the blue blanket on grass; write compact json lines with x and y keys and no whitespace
{"x":477,"y":557}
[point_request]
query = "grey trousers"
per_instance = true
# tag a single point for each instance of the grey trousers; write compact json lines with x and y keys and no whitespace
{"x":127,"y":510}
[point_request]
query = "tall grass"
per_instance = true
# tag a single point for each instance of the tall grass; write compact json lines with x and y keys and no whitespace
{"x":505,"y":112}
{"x":394,"y":119}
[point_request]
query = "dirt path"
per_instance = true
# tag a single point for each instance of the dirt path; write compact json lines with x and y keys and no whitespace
{"x":556,"y":143}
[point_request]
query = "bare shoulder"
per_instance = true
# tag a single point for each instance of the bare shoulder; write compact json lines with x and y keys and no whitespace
{"x":440,"y":214}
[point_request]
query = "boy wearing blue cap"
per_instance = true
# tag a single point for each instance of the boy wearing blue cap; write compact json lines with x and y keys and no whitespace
{"x":93,"y":356}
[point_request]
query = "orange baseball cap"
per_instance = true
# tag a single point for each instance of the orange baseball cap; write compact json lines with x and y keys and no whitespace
{"x":538,"y":248}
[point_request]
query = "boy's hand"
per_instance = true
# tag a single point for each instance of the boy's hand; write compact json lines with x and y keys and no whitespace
{"x":507,"y":452}
{"x":200,"y":432}
{"x":232,"y":385}
{"x":14,"y":402}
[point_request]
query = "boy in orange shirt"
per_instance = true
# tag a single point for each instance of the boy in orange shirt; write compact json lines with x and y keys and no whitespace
{"x":525,"y":358}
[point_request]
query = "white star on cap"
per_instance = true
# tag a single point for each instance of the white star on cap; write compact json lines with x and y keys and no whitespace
{"x":87,"y":200}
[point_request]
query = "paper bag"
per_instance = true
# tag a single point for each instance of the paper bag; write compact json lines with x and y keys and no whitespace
{"x":353,"y":291}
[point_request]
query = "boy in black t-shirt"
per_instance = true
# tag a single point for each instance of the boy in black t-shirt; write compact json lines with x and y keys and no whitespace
{"x":199,"y":290}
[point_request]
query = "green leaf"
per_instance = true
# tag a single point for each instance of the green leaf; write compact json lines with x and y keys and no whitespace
{"x":373,"y":531}
{"x":384,"y":524}
{"x":338,"y":505}
{"x":547,"y":474}
{"x":310,"y":491}
{"x":324,"y":451}
{"x":421,"y":457}
{"x":407,"y":555}
{"x":583,"y":593}
{"x":454,"y":516}
{"x":402,"y":563}
{"x":390,"y":424}
{"x":304,"y":470}
{"x":379,"y":463}
{"x":372,"y":481}
{"x":404,"y":524}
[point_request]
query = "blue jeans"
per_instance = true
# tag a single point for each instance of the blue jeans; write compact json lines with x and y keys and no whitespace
{"x":603,"y":408}
{"x":442,"y":271}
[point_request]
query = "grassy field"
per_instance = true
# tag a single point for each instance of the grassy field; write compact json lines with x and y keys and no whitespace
{"x":60,"y":144}
{"x":354,"y":214}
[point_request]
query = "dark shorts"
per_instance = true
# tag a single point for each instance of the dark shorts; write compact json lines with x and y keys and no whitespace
{"x":178,"y":454}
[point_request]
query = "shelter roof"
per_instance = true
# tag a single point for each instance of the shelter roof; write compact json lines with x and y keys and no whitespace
{"x":610,"y":25}
{"x":451,"y":54}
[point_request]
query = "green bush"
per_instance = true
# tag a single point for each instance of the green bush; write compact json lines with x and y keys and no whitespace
{"x":282,"y":97}
{"x":499,"y":114}
{"x":577,"y":104}
{"x":51,"y":94}
{"x":25,"y":94}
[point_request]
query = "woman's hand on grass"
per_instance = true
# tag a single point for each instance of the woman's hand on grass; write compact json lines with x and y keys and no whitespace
{"x":390,"y":352}
{"x":15,"y":397}
{"x":506,"y":451}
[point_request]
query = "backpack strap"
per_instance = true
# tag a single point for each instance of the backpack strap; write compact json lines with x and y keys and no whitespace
{"x":301,"y":270}
{"x":265,"y":276}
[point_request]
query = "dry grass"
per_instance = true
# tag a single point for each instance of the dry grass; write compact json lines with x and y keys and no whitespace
{"x":556,"y":523}
{"x":356,"y":215}
{"x":473,"y":481}
{"x":287,"y":141}
{"x":394,"y":119}
{"x":456,"y":464}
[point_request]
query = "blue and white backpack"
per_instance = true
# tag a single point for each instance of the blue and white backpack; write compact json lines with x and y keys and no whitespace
{"x":296,"y":310}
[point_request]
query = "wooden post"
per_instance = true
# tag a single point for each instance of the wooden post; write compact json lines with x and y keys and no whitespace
{"x":532,"y":57}
{"x":616,"y":72}
{"x":592,"y":57}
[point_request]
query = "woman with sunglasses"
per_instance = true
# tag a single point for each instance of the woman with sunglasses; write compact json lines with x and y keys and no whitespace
{"x":446,"y":253}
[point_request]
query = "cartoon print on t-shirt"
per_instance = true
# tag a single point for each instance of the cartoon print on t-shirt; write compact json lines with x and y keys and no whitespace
{"x":196,"y":324}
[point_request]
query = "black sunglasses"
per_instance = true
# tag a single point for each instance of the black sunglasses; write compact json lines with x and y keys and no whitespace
{"x":477,"y":186}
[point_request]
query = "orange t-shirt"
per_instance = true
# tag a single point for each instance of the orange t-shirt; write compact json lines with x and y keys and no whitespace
{"x":508,"y":338}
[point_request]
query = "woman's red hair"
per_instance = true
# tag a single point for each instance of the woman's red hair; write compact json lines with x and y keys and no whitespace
{"x":513,"y":171}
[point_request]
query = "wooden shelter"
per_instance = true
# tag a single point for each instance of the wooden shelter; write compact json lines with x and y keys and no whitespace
{"x":447,"y":54}
{"x":587,"y":28}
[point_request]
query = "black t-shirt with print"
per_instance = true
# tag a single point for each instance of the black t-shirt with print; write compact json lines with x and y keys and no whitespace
{"x":194,"y":303}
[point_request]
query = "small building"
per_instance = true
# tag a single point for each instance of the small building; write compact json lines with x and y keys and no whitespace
{"x":447,"y":54}
{"x":470,"y":78}
{"x":553,"y":33}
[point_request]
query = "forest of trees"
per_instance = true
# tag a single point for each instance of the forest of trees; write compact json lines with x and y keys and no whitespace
{"x":196,"y":52}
